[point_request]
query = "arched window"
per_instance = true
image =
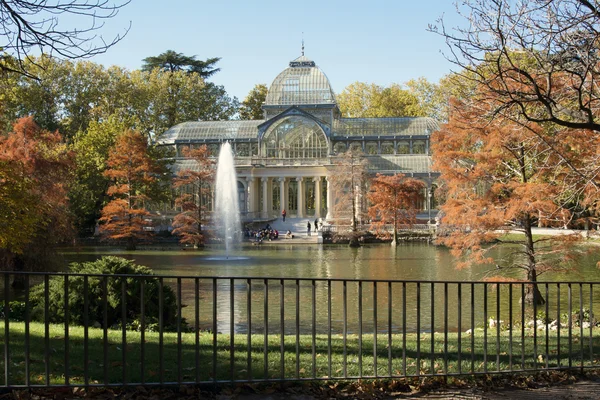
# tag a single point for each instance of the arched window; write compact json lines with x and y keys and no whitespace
{"x":418,"y":147}
{"x":339,"y":148}
{"x":295,"y":137}
{"x":387,"y":148}
{"x":403,"y":147}
{"x":371,"y":148}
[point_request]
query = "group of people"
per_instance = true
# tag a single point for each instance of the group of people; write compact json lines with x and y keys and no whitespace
{"x":267,"y":233}
{"x":308,"y":226}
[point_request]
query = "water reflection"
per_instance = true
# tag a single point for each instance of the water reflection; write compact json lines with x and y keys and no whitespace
{"x":304,"y":304}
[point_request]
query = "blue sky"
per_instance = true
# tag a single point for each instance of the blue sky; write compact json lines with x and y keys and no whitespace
{"x":369,"y":41}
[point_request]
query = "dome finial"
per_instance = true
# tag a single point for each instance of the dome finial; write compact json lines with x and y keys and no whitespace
{"x":302,"y":43}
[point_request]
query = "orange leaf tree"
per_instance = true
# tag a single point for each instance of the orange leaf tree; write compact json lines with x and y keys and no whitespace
{"x":35,"y":167}
{"x":393,"y":200}
{"x":195,"y":196}
{"x":502,"y":175}
{"x":133,"y":173}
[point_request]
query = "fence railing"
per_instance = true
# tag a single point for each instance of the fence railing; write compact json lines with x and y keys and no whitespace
{"x":113,"y":330}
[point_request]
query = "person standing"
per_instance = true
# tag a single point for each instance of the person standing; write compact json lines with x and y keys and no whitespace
{"x":283,"y":214}
{"x":307,"y":228}
{"x":316,"y":224}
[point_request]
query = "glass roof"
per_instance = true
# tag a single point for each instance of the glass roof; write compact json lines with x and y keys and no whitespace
{"x":384,"y":126}
{"x":211,"y":130}
{"x":301,"y":83}
{"x":406,"y":164}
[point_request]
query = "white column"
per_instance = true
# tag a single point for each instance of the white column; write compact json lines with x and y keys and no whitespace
{"x":282,"y":195}
{"x":265,"y":202}
{"x":329,"y":200}
{"x":317,"y":181}
{"x":251,"y":196}
{"x":300,"y":181}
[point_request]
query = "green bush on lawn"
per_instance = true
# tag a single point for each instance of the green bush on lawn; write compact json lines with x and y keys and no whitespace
{"x":95,"y":293}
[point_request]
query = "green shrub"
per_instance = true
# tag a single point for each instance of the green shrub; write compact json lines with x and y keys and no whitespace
{"x":95,"y":291}
{"x":16,"y":310}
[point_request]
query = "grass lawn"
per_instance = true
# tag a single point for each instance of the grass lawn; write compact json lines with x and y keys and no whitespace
{"x":214,"y":357}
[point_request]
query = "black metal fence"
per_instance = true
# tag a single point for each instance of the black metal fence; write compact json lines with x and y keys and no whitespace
{"x":113,"y":330}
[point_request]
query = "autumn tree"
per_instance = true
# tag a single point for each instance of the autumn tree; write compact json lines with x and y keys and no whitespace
{"x":251,"y":107}
{"x":67,"y":29}
{"x":194,"y":186}
{"x":537,"y":59}
{"x":362,"y":100}
{"x":348,"y":180}
{"x":91,"y":148}
{"x":133,"y":173}
{"x":394,"y":200}
{"x":499,"y":176}
{"x":35,"y":173}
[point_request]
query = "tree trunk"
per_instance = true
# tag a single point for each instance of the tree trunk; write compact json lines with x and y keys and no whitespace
{"x":395,"y":237}
{"x":130,"y":244}
{"x":532,"y":292}
{"x":354,"y":241}
{"x":18,"y":279}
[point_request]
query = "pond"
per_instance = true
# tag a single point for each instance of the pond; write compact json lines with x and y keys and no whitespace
{"x":290,"y":303}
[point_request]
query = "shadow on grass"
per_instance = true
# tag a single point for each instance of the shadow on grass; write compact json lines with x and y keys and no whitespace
{"x":205,"y":357}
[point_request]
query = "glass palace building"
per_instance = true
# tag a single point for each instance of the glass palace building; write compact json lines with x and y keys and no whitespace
{"x":283,"y":161}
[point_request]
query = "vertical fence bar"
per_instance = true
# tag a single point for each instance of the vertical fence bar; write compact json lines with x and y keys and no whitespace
{"x":498,"y":288}
{"x":485,"y":326}
{"x":432,"y":344}
{"x":510,"y":326}
{"x":46,"y":327}
{"x":360,"y":326}
{"x":570,"y":298}
{"x":546,"y":320}
{"x":86,"y":337}
{"x":27,"y":342}
{"x":581,"y":322}
{"x":142,"y":330}
{"x":534,"y":288}
{"x":105,"y":325}
{"x":281,"y":327}
{"x":7,"y":332}
{"x":124,"y":330}
{"x":418,"y":361}
{"x":390,"y":329}
{"x":345,"y":329}
{"x":297,"y":328}
{"x":249,"y":312}
{"x":161,"y":330}
{"x":472,"y":327}
{"x":591,"y":324}
{"x":459,"y":333}
{"x":404,"y":328}
{"x":197,"y":328}
{"x":329,"y":328}
{"x":522,"y":326}
{"x":266,"y":333}
{"x":66,"y":328}
{"x":375,"y":328}
{"x":214,"y":329}
{"x":179,"y":344}
{"x":314,"y":328}
{"x":558,"y":327}
{"x":232,"y":329}
{"x":446,"y":328}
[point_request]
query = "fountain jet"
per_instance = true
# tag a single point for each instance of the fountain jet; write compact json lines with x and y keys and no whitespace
{"x":227,"y":212}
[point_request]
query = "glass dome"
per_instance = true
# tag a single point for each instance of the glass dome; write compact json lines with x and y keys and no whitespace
{"x":295,"y":137}
{"x":301,"y":83}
